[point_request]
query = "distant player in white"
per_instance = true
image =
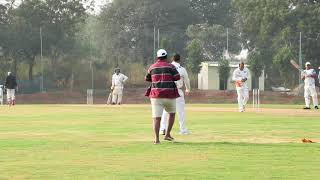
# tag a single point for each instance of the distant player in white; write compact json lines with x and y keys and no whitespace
{"x":309,"y":75}
{"x":118,"y":80}
{"x":180,"y":101}
{"x":240,"y":77}
{"x":1,"y":94}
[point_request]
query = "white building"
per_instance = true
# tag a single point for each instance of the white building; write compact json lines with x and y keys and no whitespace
{"x":208,"y":78}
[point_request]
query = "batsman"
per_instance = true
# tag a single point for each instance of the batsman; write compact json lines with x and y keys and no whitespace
{"x":308,"y":76}
{"x":241,"y":76}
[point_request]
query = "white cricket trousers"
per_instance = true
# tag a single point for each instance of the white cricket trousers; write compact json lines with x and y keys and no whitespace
{"x":180,"y":110}
{"x":243,"y":97}
{"x":310,"y":91}
{"x":117,"y":94}
{"x":11,"y":95}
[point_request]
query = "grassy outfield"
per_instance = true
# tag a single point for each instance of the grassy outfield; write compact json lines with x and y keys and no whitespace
{"x":106,"y":142}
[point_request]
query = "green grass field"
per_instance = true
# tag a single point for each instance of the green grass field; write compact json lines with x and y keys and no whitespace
{"x":104,"y":142}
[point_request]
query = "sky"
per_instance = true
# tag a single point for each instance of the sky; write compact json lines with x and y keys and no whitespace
{"x":98,"y":4}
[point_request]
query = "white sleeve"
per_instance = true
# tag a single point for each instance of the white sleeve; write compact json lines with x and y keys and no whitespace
{"x":113,"y":83}
{"x":186,"y":81}
{"x":124,"y":78}
{"x":235,"y":77}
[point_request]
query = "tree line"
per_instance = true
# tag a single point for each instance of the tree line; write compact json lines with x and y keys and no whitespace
{"x":76,"y":41}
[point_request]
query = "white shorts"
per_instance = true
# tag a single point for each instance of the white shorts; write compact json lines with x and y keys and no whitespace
{"x":160,"y":104}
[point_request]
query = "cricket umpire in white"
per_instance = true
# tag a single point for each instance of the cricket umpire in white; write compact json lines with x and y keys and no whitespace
{"x":180,"y":101}
{"x":240,"y":76}
{"x":118,"y":80}
{"x":309,"y":75}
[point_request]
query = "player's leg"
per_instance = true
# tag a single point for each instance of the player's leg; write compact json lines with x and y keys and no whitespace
{"x":9,"y":97}
{"x":245,"y":98}
{"x":164,"y":122}
{"x":114,"y":96}
{"x":170,"y":107}
{"x":13,"y":97}
{"x":120,"y":94}
{"x":307,"y":95}
{"x":240,"y":101}
{"x":314,"y":96}
{"x":180,"y":103}
{"x":157,"y":110}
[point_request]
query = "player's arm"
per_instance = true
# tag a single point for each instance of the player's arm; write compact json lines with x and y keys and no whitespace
{"x":314,"y":74}
{"x":186,"y":81}
{"x":125,"y":78}
{"x":148,"y":76}
{"x":235,"y":77}
{"x":113,"y":82}
{"x":303,"y":75}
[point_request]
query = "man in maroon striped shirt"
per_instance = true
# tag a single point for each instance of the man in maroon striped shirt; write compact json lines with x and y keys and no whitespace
{"x":163,"y":92}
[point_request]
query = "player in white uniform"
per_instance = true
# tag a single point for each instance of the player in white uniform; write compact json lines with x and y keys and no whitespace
{"x":180,"y":101}
{"x":241,"y":76}
{"x":309,"y":75}
{"x":1,"y":94}
{"x":118,"y":80}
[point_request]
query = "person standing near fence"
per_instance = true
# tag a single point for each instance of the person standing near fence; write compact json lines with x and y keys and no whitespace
{"x":308,"y":76}
{"x":1,"y":94}
{"x":162,"y":92}
{"x":118,"y":80}
{"x":241,"y":76}
{"x":180,"y":101}
{"x":11,"y":86}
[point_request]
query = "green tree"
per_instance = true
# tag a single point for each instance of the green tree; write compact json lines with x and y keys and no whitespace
{"x":220,"y":12}
{"x":129,"y":36}
{"x":224,"y":71}
{"x":194,"y":55}
{"x":273,"y":28}
{"x":213,"y":40}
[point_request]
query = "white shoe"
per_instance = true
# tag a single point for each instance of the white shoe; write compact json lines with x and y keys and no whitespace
{"x":184,"y":132}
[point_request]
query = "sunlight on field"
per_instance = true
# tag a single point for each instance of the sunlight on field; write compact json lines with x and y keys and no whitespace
{"x":96,"y":142}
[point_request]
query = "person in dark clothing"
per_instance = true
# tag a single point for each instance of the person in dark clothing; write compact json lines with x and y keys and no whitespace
{"x":11,"y":86}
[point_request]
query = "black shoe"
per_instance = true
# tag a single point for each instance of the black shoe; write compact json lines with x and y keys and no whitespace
{"x":306,"y":108}
{"x":316,"y":107}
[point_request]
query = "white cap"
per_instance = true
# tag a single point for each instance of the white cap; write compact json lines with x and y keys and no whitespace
{"x":161,"y":53}
{"x":9,"y":73}
{"x":308,"y":63}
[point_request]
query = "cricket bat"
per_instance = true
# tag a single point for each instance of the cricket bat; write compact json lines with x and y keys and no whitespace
{"x":109,"y":98}
{"x":295,"y":65}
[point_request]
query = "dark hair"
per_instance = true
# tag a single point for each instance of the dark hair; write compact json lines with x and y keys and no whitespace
{"x":176,"y":58}
{"x":163,"y":58}
{"x":241,"y":63}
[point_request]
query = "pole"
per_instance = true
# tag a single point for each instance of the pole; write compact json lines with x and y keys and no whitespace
{"x":91,"y":64}
{"x":154,"y":42}
{"x":158,"y":38}
{"x":300,"y":57}
{"x":41,"y":61}
{"x":92,"y":79}
{"x":228,"y":40}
